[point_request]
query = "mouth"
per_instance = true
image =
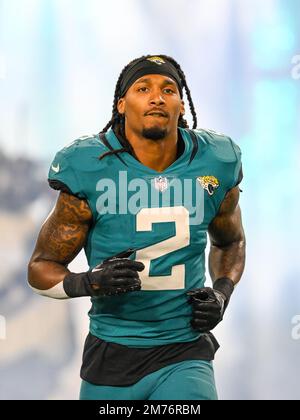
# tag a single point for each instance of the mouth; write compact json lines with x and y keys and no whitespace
{"x":158,"y":114}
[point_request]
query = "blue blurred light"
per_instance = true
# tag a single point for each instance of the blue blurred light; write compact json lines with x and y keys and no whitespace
{"x":273,"y":45}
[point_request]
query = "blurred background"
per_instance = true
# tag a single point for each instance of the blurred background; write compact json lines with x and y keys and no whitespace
{"x":59,"y":63}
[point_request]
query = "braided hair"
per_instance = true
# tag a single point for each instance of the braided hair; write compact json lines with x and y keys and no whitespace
{"x":117,"y":121}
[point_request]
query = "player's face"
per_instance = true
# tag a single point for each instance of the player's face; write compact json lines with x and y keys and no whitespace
{"x":152,"y":105}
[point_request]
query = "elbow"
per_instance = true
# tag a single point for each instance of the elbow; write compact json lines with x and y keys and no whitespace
{"x":238,"y":243}
{"x":242,"y":241}
{"x":32,"y":274}
{"x":29,"y":272}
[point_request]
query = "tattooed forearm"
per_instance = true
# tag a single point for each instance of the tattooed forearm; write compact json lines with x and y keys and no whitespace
{"x":61,"y":238}
{"x":227,"y":252}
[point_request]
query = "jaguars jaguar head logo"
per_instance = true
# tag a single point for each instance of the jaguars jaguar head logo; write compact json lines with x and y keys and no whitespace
{"x":209,"y":183}
{"x":156,"y":60}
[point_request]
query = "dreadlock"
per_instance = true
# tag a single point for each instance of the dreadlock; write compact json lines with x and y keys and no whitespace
{"x":117,"y":121}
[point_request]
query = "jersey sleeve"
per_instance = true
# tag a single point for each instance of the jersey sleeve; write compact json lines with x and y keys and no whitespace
{"x":63,"y":177}
{"x":229,"y":155}
{"x":238,"y":170}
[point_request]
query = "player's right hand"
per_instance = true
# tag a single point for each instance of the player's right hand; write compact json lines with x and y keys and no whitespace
{"x":115,"y":276}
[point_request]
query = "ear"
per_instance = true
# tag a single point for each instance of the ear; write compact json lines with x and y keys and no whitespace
{"x":121,"y":106}
{"x":182,"y":108}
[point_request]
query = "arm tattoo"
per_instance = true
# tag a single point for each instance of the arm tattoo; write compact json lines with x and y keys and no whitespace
{"x":64,"y":232}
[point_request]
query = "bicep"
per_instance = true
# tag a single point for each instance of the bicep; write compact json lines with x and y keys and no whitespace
{"x":226,"y":227}
{"x":64,"y":232}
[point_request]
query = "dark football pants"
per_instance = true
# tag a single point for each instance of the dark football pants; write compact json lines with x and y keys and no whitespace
{"x":187,"y":380}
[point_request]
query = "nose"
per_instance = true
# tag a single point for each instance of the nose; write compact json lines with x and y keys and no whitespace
{"x":156,"y":98}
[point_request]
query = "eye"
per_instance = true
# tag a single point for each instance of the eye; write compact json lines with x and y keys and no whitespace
{"x":142,"y":89}
{"x":169,"y":90}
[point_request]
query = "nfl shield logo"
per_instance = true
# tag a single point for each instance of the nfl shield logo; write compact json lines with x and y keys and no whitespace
{"x":161,"y":183}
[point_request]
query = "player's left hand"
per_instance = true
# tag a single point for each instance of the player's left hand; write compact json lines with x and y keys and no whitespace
{"x":208,"y":308}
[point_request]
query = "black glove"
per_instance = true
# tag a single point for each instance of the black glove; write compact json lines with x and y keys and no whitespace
{"x":114,"y":276}
{"x":208,"y":305}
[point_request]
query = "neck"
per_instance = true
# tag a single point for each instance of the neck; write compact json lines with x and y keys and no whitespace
{"x":156,"y":154}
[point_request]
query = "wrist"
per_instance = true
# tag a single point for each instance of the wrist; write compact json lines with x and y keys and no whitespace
{"x":77,"y":285}
{"x":225,"y":286}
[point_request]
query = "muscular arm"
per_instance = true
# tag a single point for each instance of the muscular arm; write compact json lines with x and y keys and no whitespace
{"x":227,"y":251}
{"x":61,"y":238}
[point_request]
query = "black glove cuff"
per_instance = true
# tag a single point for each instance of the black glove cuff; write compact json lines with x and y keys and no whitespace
{"x":77,"y":285}
{"x":225,"y":286}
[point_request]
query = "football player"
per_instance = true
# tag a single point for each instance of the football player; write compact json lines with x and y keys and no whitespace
{"x":140,"y":198}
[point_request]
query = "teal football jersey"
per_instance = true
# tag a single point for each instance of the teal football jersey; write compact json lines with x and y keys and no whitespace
{"x":163,"y":216}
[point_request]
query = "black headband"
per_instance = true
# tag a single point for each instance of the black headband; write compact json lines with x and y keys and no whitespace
{"x":151,"y":65}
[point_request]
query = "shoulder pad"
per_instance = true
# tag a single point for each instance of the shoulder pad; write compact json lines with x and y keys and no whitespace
{"x":221,"y":145}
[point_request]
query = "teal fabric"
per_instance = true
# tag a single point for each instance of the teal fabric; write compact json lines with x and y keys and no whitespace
{"x":188,"y":380}
{"x":172,"y":247}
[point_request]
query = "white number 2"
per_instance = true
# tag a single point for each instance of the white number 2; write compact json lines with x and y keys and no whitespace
{"x":144,"y":220}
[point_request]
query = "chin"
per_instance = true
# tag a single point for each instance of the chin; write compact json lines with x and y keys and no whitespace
{"x":154,"y":133}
